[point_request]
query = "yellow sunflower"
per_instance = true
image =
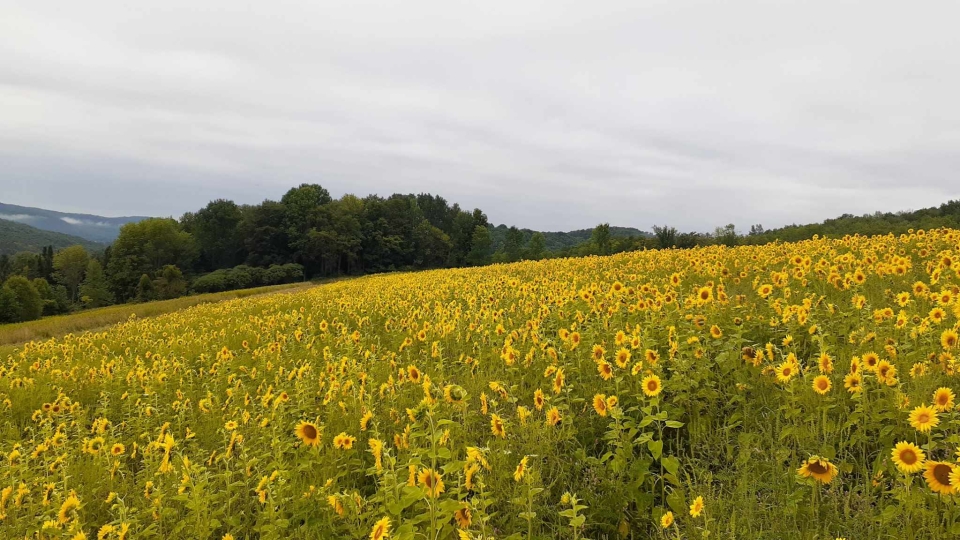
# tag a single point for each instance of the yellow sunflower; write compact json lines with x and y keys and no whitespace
{"x":908,"y":457}
{"x":818,"y":468}
{"x":600,"y":404}
{"x":309,"y":433}
{"x":431,"y":482}
{"x":938,"y":474}
{"x":381,"y":529}
{"x":924,"y":418}
{"x":943,"y":399}
{"x":651,"y":385}
{"x":697,"y":507}
{"x":822,"y":384}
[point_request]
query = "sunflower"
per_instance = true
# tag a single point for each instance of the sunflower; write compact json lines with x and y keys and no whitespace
{"x":521,"y":469}
{"x":344,"y":441}
{"x":651,"y":385}
{"x":623,"y":358}
{"x":496,"y":426}
{"x":651,"y":356}
{"x":553,"y":417}
{"x":605,"y":370}
{"x":908,"y":457}
{"x":822,"y":384}
{"x":825,"y":363}
{"x":666,"y":520}
{"x":943,"y":399}
{"x":924,"y":418}
{"x":431,"y":482}
{"x":463,"y":517}
{"x":381,"y":529}
{"x":785,"y":371}
{"x":538,"y":399}
{"x":600,"y":404}
{"x":309,"y":433}
{"x":117,"y":449}
{"x":716,"y":332}
{"x":819,"y":468}
{"x":70,"y":504}
{"x":948,"y":339}
{"x":697,"y":507}
{"x":598,"y":352}
{"x":853,"y":382}
{"x":558,"y":381}
{"x":705,"y":294}
{"x":870,"y":361}
{"x":938,"y":475}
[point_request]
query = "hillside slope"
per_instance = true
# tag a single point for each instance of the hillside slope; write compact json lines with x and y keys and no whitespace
{"x":95,"y":228}
{"x":16,"y":237}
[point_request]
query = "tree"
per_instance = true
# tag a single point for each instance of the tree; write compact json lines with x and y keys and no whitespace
{"x":95,"y":289}
{"x":54,"y":298}
{"x":601,"y":237}
{"x":666,"y":236}
{"x":145,"y":247}
{"x":170,"y":283}
{"x":480,"y":246}
{"x":726,"y":235}
{"x":27,"y":298}
{"x":537,"y":246}
{"x":6,"y":267}
{"x":756,"y":230}
{"x":145,"y":290}
{"x":9,"y":306}
{"x":431,"y":246}
{"x":26,"y":264}
{"x":69,"y":265}
{"x":215,"y":228}
{"x":513,"y":244}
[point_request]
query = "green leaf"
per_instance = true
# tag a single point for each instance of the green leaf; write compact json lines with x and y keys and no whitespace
{"x":656,"y":448}
{"x":671,"y":464}
{"x":674,"y":424}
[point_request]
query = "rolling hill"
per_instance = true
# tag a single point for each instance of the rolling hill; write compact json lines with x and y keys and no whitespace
{"x":95,"y":228}
{"x":16,"y":237}
{"x":560,"y":240}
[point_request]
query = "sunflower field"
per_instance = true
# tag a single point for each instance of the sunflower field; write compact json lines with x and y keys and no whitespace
{"x":801,"y":390}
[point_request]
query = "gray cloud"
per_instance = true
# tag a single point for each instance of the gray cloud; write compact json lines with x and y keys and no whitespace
{"x":549,"y":114}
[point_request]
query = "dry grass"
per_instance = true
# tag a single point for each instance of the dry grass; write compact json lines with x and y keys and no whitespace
{"x":14,"y":334}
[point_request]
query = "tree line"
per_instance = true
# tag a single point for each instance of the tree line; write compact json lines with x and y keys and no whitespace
{"x":308,"y":234}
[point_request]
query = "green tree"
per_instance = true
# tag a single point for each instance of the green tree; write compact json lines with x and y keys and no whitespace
{"x":170,"y":283}
{"x":145,"y":290}
{"x":601,"y":238}
{"x":513,"y":244}
{"x":53,"y":303}
{"x":215,"y":228}
{"x":69,"y":265}
{"x":9,"y":306}
{"x":95,"y":289}
{"x":28,"y":299}
{"x":480,"y":245}
{"x":145,"y":247}
{"x":537,"y":246}
{"x":666,"y":236}
{"x":726,"y":235}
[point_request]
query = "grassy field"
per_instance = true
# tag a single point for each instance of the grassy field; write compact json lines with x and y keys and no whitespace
{"x":12,"y":334}
{"x":784,"y":391}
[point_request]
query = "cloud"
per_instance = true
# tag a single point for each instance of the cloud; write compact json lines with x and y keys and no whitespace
{"x":548,"y":115}
{"x":85,"y":222}
{"x":17,"y":217}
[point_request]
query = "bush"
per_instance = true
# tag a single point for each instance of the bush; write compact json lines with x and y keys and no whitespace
{"x":28,"y":299}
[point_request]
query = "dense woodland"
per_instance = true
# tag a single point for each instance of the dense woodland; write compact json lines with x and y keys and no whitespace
{"x":307,"y":234}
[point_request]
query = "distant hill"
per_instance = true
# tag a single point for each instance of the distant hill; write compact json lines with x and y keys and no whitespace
{"x":16,"y":237}
{"x":94,"y":228}
{"x":560,"y":240}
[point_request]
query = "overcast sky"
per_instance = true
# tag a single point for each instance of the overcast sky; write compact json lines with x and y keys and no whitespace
{"x":549,"y":115}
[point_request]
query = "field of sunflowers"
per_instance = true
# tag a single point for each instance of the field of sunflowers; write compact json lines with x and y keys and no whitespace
{"x":780,"y":391}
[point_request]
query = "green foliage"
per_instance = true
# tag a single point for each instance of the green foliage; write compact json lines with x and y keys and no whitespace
{"x":170,"y":283}
{"x":146,"y":247}
{"x":95,"y":289}
{"x":69,"y":266}
{"x":243,"y":276}
{"x":145,"y":289}
{"x":28,"y":304}
{"x":9,"y":305}
{"x":480,"y":245}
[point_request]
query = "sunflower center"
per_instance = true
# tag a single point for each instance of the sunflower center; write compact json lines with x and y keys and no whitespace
{"x":908,"y":456}
{"x":310,"y":432}
{"x":923,"y":418}
{"x":942,"y":473}
{"x":652,"y":385}
{"x":817,"y":468}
